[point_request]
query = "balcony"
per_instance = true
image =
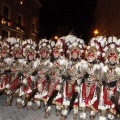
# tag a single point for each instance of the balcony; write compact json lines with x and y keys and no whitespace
{"x":12,"y":25}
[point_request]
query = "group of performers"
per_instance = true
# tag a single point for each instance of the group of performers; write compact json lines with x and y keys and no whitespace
{"x":67,"y":73}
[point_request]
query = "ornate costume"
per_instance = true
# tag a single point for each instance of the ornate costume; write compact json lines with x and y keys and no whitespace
{"x":58,"y":65}
{"x":88,"y":90}
{"x":28,"y":83}
{"x":110,"y":78}
{"x":73,"y":77}
{"x":17,"y":66}
{"x":6,"y":64}
{"x":43,"y":71}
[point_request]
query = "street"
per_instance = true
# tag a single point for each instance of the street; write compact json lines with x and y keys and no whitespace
{"x":12,"y":113}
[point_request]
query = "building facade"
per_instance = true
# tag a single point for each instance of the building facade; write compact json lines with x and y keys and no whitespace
{"x":107,"y":17}
{"x":19,"y":18}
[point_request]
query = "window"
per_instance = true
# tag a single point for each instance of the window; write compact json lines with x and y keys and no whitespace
{"x":6,"y":11}
{"x":33,"y":27}
{"x":19,"y":36}
{"x":5,"y":34}
{"x":20,"y":19}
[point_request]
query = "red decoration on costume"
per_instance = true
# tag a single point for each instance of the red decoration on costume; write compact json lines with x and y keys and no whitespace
{"x":75,"y":50}
{"x":1,"y":85}
{"x":41,"y":82}
{"x":30,"y":53}
{"x":3,"y":52}
{"x":18,"y":52}
{"x":112,"y":55}
{"x":55,"y":50}
{"x":53,"y":74}
{"x":7,"y":79}
{"x":14,"y":83}
{"x":90,"y":54}
{"x":69,"y":93}
{"x":43,"y":51}
{"x":56,"y":64}
{"x":59,"y":100}
{"x":28,"y":84}
{"x":54,"y":86}
{"x":105,"y":96}
{"x":91,"y":93}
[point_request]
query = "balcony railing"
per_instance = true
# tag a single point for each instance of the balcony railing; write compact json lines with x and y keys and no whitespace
{"x":11,"y":24}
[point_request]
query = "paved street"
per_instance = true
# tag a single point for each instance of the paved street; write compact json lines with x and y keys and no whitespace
{"x":12,"y":113}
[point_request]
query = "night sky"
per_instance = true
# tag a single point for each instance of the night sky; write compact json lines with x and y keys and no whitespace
{"x":78,"y":15}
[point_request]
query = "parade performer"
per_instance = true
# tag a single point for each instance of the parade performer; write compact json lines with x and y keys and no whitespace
{"x":17,"y":67}
{"x":89,"y":89}
{"x":43,"y":71}
{"x":28,"y":82}
{"x":6,"y":65}
{"x":110,"y":79}
{"x":73,"y":77}
{"x":58,"y":68}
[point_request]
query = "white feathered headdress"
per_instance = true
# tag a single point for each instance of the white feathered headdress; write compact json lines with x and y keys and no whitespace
{"x":73,"y":42}
{"x":16,"y":44}
{"x":46,"y":45}
{"x":29,"y":45}
{"x":95,"y":47}
{"x":60,"y":46}
{"x":111,"y":48}
{"x":5,"y":47}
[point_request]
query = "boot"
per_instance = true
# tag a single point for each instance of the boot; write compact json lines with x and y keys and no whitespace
{"x":36,"y":108}
{"x":92,"y":117}
{"x":17,"y":104}
{"x":63,"y":117}
{"x":75,"y":116}
{"x":58,"y":112}
{"x":47,"y":114}
{"x":28,"y":107}
{"x":20,"y":107}
{"x":7,"y":104}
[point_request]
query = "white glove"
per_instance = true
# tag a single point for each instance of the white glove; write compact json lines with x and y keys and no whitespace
{"x":7,"y":86}
{"x":24,"y":81}
{"x":58,"y":87}
{"x":77,"y":89}
{"x":119,"y":101}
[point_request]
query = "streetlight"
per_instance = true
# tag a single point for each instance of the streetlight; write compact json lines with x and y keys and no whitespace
{"x":21,"y":2}
{"x":96,"y":32}
{"x":56,"y":37}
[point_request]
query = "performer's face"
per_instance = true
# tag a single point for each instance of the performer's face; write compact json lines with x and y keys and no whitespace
{"x":55,"y":53}
{"x":112,"y":58}
{"x":31,"y":55}
{"x":17,"y":54}
{"x":90,"y":57}
{"x":3,"y":54}
{"x":74,"y":54}
{"x":44,"y":53}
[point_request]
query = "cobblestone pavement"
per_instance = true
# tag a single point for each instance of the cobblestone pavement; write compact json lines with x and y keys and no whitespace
{"x":12,"y":113}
